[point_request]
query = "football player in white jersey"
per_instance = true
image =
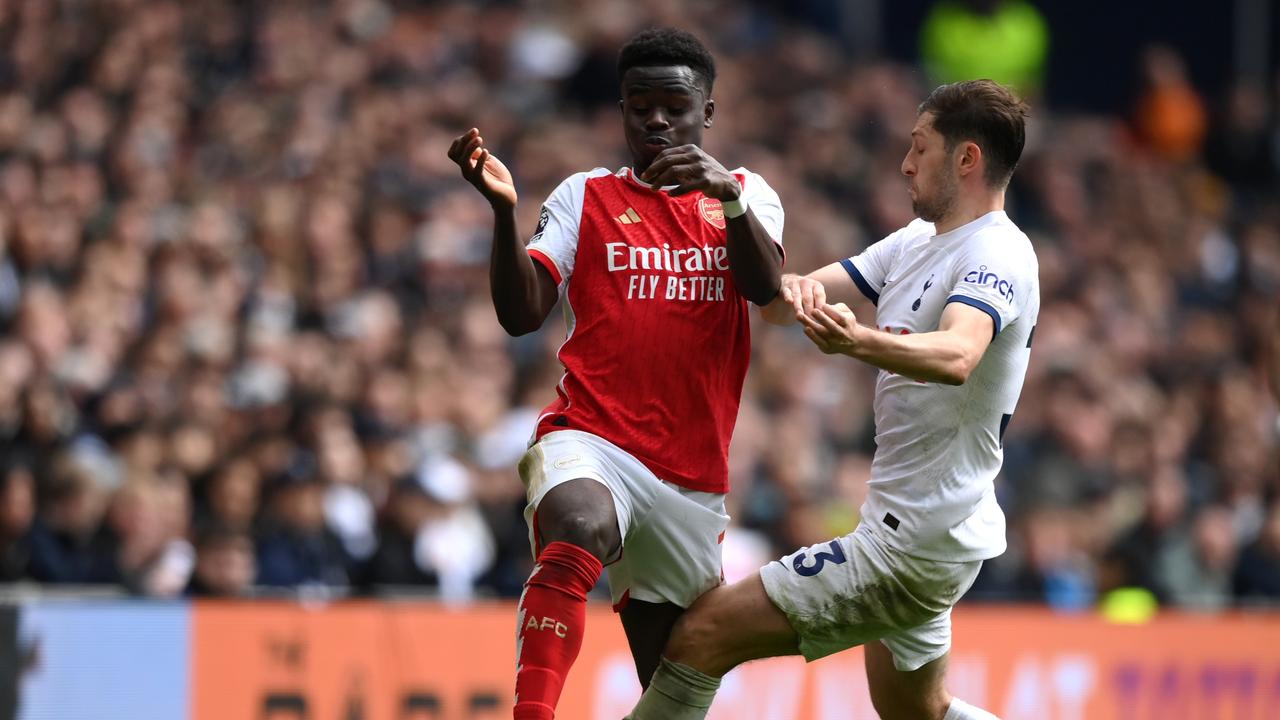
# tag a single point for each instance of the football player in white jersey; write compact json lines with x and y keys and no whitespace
{"x":953,"y":297}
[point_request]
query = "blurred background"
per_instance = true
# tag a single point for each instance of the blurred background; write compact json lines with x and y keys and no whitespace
{"x":247,"y":347}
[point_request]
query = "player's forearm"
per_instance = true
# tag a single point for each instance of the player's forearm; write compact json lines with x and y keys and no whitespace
{"x":513,"y":277}
{"x":938,"y":357}
{"x":779,"y":312}
{"x":754,"y":259}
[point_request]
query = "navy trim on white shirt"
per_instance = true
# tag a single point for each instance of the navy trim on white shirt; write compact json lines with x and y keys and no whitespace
{"x":860,"y":281}
{"x":984,"y":307}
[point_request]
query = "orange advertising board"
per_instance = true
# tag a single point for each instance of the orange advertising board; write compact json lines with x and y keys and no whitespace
{"x":386,"y":661}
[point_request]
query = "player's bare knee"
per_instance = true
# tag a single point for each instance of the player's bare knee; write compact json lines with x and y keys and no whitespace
{"x":592,"y":533}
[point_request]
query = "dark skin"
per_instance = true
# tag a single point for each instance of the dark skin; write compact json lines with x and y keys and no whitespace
{"x":664,"y":110}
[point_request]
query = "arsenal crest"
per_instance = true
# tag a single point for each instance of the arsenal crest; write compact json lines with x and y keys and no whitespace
{"x":712,"y":211}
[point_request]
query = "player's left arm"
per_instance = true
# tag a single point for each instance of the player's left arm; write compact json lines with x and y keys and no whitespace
{"x":753,"y":216}
{"x":947,"y":355}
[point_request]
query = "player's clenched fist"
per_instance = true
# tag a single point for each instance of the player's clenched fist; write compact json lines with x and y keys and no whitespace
{"x":484,"y":171}
{"x":690,"y":168}
{"x":833,"y":328}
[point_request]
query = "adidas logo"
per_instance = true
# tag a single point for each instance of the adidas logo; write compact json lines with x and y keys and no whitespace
{"x":629,"y":217}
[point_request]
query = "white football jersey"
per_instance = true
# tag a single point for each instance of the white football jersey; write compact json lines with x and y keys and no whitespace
{"x":939,"y":447}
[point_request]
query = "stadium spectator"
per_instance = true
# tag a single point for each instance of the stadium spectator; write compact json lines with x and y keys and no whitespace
{"x":453,"y":541}
{"x":1198,"y":573}
{"x":296,"y":547}
{"x":225,"y":565}
{"x":149,"y":518}
{"x":1242,"y":144}
{"x":68,"y":542}
{"x":396,"y":561}
{"x":1140,"y":557}
{"x":434,"y":534}
{"x":231,"y":495}
{"x":1257,"y":576}
{"x":1170,"y":116}
{"x":17,"y":513}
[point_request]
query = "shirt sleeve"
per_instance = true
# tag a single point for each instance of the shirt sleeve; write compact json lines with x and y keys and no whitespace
{"x":555,"y":241}
{"x":870,"y":268}
{"x":994,"y":274}
{"x":764,"y":203}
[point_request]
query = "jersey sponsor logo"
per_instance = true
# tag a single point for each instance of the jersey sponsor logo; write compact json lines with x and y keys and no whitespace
{"x":630,"y":217}
{"x":621,"y":257}
{"x":984,"y":278}
{"x":706,"y":288}
{"x":688,"y":265}
{"x":712,"y":211}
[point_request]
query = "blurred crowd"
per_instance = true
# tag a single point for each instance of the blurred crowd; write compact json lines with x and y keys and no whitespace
{"x":248,"y":347}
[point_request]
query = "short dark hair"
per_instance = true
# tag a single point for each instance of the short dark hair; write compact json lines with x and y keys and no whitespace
{"x":986,"y":113}
{"x":664,"y":47}
{"x":219,"y":534}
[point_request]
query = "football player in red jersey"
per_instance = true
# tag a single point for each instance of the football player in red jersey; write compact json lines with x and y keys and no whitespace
{"x":656,"y":263}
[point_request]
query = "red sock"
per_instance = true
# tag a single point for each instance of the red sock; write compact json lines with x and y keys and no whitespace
{"x":552,"y":616}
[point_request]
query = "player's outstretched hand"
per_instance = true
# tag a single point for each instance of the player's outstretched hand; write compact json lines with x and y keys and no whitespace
{"x":803,"y":293}
{"x":484,"y":171}
{"x":689,"y":168}
{"x":833,"y":328}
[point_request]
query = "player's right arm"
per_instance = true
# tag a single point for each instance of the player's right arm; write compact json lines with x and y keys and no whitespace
{"x":800,"y":294}
{"x":523,"y":291}
{"x":855,"y":281}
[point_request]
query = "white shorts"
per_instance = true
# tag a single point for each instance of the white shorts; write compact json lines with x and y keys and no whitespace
{"x":856,"y":589}
{"x":671,"y":536}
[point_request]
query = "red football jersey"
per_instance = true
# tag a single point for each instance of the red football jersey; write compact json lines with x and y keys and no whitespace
{"x":658,"y":335}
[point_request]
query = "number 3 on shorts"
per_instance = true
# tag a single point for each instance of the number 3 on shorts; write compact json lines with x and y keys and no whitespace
{"x":820,"y":559}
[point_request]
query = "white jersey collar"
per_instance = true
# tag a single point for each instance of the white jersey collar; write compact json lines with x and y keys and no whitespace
{"x":630,"y":173}
{"x":992,"y":218}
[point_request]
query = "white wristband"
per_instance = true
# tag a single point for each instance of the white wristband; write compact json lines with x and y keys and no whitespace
{"x":734,"y":208}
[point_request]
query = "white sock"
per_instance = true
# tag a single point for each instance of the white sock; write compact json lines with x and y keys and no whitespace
{"x":676,"y":692}
{"x":961,"y":710}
